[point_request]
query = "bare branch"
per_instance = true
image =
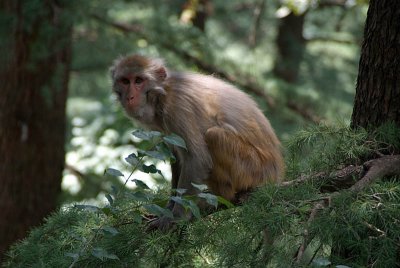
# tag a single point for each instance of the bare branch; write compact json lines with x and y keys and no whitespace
{"x":306,"y":235}
{"x":378,"y":168}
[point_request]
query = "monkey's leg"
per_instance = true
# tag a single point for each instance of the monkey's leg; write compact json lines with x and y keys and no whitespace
{"x":237,"y":166}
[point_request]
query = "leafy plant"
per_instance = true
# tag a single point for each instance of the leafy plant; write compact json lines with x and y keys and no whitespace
{"x":144,"y":203}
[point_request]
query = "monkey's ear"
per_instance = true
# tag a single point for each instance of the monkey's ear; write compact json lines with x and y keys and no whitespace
{"x":161,"y":73}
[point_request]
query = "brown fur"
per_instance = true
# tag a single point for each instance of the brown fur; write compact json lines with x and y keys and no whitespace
{"x":231,"y":145}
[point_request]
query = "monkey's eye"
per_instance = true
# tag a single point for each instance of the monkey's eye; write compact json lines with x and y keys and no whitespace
{"x":139,"y":80}
{"x":125,"y":81}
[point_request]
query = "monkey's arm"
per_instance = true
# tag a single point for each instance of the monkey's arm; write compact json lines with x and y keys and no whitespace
{"x":193,"y":167}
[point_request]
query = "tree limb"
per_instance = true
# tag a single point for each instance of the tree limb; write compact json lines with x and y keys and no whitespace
{"x":388,"y":165}
{"x":369,"y":172}
{"x":354,"y":178}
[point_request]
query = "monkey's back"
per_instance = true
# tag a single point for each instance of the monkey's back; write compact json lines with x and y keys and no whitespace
{"x":244,"y":149}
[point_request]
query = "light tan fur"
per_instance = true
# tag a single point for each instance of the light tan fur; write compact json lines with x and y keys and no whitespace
{"x":231,"y":145}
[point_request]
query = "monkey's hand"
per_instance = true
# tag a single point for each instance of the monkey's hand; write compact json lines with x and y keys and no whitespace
{"x":165,"y":224}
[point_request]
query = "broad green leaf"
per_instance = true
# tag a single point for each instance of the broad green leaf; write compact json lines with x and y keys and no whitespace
{"x":103,"y":254}
{"x":164,"y":149}
{"x":140,"y":184}
{"x":114,"y":172}
{"x":132,"y":160}
{"x":175,"y":140}
{"x":210,"y":198}
{"x":180,"y":191}
{"x":179,"y":201}
{"x":140,"y":196}
{"x":188,"y":205}
{"x":201,"y":187}
{"x":158,"y":211}
{"x":110,"y":199}
{"x":194,"y":208}
{"x":110,"y":230}
{"x":162,"y":202}
{"x":149,"y":169}
{"x":88,"y":208}
{"x":146,"y":135}
{"x":153,"y":154}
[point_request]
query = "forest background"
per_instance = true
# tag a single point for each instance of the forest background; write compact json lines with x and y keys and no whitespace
{"x":61,"y":127}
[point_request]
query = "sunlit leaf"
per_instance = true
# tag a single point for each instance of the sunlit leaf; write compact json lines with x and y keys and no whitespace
{"x":88,"y":208}
{"x":146,"y":135}
{"x":180,"y":191}
{"x":225,"y":202}
{"x":110,"y":199}
{"x":140,"y":184}
{"x":201,"y":187}
{"x":321,"y":262}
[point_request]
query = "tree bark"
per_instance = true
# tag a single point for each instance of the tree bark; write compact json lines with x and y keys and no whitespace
{"x":378,"y":83}
{"x":34,"y":69}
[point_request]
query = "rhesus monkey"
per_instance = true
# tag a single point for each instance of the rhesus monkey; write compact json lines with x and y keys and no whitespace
{"x":232,"y":147}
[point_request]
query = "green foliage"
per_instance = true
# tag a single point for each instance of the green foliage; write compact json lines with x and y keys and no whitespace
{"x":329,"y":147}
{"x":362,"y":226}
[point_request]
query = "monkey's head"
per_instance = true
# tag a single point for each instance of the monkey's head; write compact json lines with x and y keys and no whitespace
{"x":137,"y":80}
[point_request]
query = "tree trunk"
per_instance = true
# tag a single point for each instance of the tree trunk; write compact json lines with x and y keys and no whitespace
{"x":34,"y":68}
{"x":377,"y":97}
{"x":378,"y":84}
{"x":290,"y":45}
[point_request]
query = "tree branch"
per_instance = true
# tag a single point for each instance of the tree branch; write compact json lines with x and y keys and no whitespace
{"x":369,"y":172}
{"x":388,"y":165}
{"x":306,"y":235}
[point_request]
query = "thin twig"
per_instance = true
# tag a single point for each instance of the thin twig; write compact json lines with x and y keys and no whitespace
{"x":306,"y":235}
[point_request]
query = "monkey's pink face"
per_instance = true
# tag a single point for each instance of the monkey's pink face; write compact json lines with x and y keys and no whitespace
{"x":130,"y":90}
